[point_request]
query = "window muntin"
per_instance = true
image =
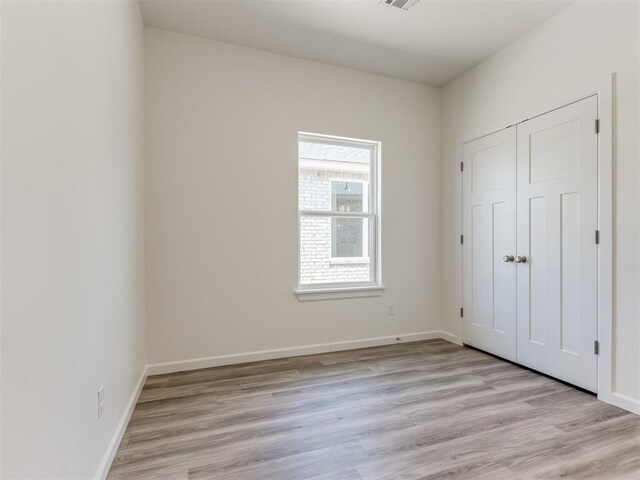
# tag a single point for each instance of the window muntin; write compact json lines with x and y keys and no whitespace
{"x":338,"y":222}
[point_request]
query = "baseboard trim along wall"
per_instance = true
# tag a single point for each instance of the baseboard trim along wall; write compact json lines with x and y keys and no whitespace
{"x":196,"y":363}
{"x":450,"y":337}
{"x":626,"y":403}
{"x":110,"y":454}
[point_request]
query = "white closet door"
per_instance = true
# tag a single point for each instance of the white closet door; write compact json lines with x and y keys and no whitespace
{"x":489,"y":221}
{"x":557,"y":219}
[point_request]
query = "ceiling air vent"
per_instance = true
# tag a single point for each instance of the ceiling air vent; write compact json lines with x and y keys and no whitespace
{"x":403,"y":4}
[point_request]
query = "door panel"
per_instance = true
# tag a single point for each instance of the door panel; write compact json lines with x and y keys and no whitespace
{"x":557,"y":219}
{"x":489,"y":222}
{"x":537,"y":288}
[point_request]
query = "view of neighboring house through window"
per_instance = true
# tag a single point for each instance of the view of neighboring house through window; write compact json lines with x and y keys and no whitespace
{"x":347,"y":233}
{"x":338,"y":224}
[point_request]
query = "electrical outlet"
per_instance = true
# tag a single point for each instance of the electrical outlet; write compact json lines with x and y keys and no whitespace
{"x":391,"y":309}
{"x":100,"y":401}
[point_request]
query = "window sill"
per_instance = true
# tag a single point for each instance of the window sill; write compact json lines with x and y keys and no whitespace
{"x":338,"y":293}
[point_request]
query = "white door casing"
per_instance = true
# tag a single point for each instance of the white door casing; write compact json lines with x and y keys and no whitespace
{"x":489,"y":233}
{"x":557,"y":213}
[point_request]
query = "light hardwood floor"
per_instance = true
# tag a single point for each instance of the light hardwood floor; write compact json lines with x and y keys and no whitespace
{"x":422,"y":410}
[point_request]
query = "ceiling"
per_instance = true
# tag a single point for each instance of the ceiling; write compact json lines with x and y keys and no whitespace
{"x":433,"y":43}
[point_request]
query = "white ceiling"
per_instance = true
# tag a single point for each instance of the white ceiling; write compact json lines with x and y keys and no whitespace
{"x":433,"y":43}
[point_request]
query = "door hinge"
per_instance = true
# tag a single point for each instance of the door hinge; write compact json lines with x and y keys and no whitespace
{"x":461,"y":239}
{"x":596,"y":347}
{"x":597,"y":125}
{"x":597,"y":237}
{"x":462,"y":166}
{"x":461,"y":312}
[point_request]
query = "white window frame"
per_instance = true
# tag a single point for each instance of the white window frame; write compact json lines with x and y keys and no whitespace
{"x":373,"y":287}
{"x":365,"y":244}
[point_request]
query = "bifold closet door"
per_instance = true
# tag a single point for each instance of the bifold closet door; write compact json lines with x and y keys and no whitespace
{"x":557,"y":220}
{"x":489,"y":243}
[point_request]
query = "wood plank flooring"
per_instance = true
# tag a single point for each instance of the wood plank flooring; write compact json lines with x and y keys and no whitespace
{"x":414,"y":411}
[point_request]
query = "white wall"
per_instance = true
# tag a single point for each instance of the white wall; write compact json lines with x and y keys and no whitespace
{"x":72,"y":231}
{"x":221,"y":132}
{"x":581,"y":44}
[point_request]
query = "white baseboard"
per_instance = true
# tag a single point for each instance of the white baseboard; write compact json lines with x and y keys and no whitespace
{"x":450,"y":337}
{"x":626,"y":403}
{"x":196,"y":363}
{"x":110,"y":454}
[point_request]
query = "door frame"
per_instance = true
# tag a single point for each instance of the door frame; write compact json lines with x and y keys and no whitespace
{"x":603,"y":90}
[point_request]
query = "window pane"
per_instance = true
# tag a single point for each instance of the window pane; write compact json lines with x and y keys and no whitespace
{"x":334,"y":250}
{"x":347,"y":196}
{"x":346,"y":237}
{"x":333,"y":178}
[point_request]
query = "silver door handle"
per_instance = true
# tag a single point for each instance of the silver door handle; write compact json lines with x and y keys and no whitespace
{"x":508,"y":258}
{"x":521,"y":259}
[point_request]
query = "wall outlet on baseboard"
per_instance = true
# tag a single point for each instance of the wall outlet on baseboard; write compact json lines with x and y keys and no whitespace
{"x":391,"y":309}
{"x":100,"y":401}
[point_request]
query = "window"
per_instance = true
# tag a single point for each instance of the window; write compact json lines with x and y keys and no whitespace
{"x":339,"y":225}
